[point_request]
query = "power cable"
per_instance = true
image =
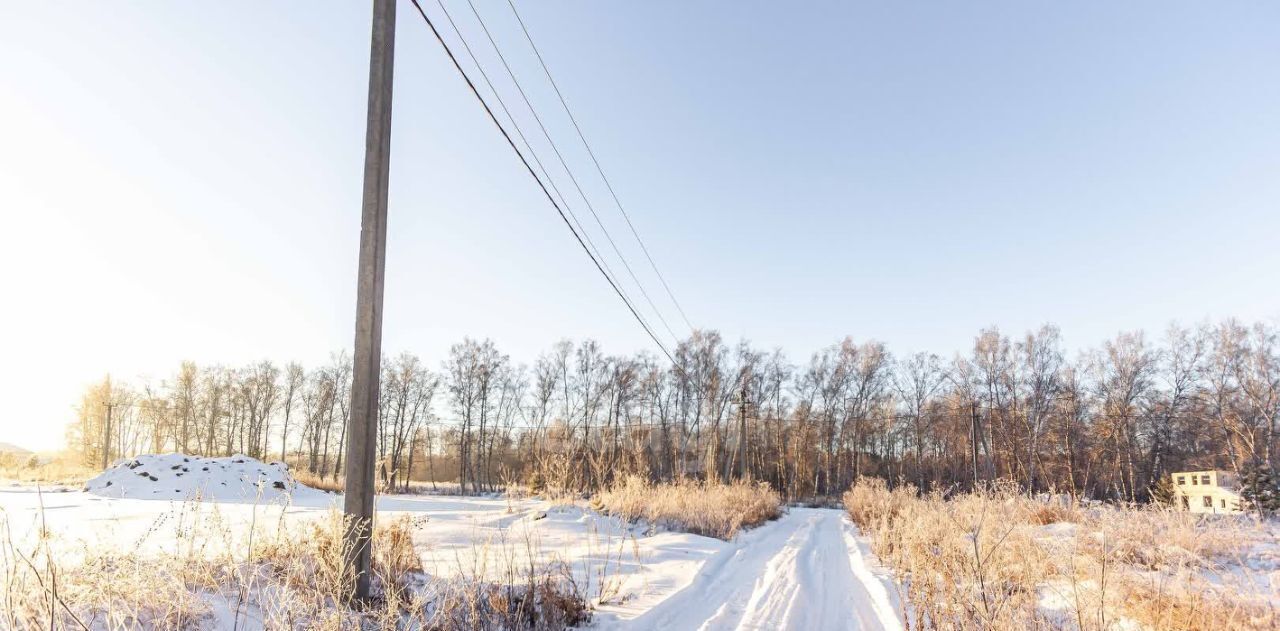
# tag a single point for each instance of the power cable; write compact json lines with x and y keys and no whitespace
{"x":563,"y":163}
{"x":523,"y":139}
{"x":493,"y":117}
{"x":594,"y":160}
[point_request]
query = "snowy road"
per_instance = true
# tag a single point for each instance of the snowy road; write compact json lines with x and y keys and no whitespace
{"x":805,"y":571}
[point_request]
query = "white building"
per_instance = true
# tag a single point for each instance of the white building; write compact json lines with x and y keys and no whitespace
{"x":1215,"y":492}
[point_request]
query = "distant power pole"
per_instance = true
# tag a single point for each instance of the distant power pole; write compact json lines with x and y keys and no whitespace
{"x":106,"y":438}
{"x":742,"y":432}
{"x":362,"y":430}
{"x":973,"y":440}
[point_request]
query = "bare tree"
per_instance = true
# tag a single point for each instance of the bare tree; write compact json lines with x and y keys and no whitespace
{"x":1106,"y":424}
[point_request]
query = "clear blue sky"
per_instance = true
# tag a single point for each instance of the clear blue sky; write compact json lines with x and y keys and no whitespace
{"x":183,"y":180}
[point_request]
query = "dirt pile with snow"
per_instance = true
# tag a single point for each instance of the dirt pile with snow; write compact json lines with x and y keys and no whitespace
{"x":180,"y":477}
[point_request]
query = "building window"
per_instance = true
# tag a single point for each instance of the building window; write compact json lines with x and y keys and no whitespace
{"x":1182,"y":480}
{"x":1224,"y":503}
{"x":1208,"y":502}
{"x":1204,"y":479}
{"x":1195,"y":480}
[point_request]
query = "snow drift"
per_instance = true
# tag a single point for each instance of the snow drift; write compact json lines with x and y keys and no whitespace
{"x":180,"y":477}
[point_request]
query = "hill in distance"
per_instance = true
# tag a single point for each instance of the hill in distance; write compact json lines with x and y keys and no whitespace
{"x":10,"y":448}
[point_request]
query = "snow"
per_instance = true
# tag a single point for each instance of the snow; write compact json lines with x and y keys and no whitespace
{"x":178,"y":477}
{"x":1251,"y":571}
{"x":797,"y":573}
{"x":1057,"y":532}
{"x":807,"y":570}
{"x":810,"y":569}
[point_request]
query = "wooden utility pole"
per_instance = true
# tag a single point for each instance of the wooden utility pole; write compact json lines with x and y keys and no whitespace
{"x":106,"y":438}
{"x":742,"y":431}
{"x":973,"y":440}
{"x":362,"y":430}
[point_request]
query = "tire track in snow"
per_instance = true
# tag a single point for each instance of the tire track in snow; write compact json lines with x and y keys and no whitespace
{"x":804,"y":571}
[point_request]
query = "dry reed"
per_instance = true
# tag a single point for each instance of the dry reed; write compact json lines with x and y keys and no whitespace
{"x":276,"y":574}
{"x":62,"y":470}
{"x":714,"y":510}
{"x":996,"y":559}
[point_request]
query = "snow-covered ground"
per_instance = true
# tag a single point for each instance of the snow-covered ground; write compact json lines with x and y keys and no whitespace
{"x":177,"y":477}
{"x":807,"y":570}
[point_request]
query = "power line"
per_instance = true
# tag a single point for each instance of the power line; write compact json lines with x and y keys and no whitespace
{"x":528,"y":103}
{"x":594,"y":160}
{"x":545,"y":171}
{"x":502,"y":103}
{"x":488,"y":110}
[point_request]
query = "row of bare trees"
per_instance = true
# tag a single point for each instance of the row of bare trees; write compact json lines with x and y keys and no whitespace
{"x":1107,"y":422}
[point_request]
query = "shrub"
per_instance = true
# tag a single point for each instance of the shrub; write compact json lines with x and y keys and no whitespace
{"x":1260,"y":489}
{"x":63,"y":469}
{"x":1162,"y":491}
{"x":714,"y":510}
{"x":1053,"y":512}
{"x":985,"y":560}
{"x":966,"y":563}
{"x":328,"y":484}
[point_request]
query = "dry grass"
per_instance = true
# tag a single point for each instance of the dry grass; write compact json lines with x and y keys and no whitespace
{"x":328,"y":484}
{"x":714,"y":510}
{"x":995,"y":559}
{"x":275,"y":574}
{"x":1054,"y":512}
{"x":63,"y":470}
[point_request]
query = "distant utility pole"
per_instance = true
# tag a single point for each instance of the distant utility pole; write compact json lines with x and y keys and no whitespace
{"x":973,"y":440}
{"x":362,"y":430}
{"x":742,"y":431}
{"x":106,"y":437}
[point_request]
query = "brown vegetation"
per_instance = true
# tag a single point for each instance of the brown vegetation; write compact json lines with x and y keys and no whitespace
{"x":282,"y":575}
{"x":1110,"y":424}
{"x":714,"y":510}
{"x":320,"y":483}
{"x":995,"y":559}
{"x":62,"y":469}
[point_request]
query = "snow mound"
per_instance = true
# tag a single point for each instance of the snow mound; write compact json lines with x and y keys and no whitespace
{"x":180,"y":477}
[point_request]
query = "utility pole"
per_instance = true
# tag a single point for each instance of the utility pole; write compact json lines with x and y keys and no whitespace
{"x":362,"y":432}
{"x":742,"y":431}
{"x":973,"y":440}
{"x":106,"y":438}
